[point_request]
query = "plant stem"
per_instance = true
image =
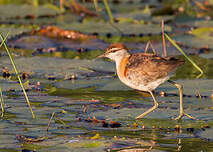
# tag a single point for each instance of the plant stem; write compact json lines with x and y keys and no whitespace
{"x":62,"y":6}
{"x":96,"y":5}
{"x":108,"y":10}
{"x":17,"y":73}
{"x":61,"y":121}
{"x":50,"y":121}
{"x":163,"y":39}
{"x":2,"y":103}
{"x":35,"y":3}
{"x":4,"y":40}
{"x":184,"y":54}
{"x":2,"y":99}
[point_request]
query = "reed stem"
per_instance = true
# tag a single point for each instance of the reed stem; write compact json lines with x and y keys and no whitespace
{"x":96,"y":5}
{"x":1,"y":94}
{"x":2,"y":103}
{"x":50,"y":121}
{"x":17,"y":74}
{"x":108,"y":10}
{"x":163,"y":39}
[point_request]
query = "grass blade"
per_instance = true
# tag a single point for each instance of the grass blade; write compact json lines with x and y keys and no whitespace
{"x":62,"y":9}
{"x":108,"y":10}
{"x":184,"y":54}
{"x":163,"y":39}
{"x":2,"y":42}
{"x":96,"y":5}
{"x":2,"y":103}
{"x":35,"y":3}
{"x":50,"y":121}
{"x":17,"y":73}
{"x":1,"y":94}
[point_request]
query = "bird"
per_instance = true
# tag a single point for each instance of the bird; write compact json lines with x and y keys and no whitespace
{"x":145,"y":72}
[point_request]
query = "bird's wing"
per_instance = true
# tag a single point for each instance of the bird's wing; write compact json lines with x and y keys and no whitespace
{"x":149,"y":67}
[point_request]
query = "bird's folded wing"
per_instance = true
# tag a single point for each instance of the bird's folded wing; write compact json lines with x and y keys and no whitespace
{"x":149,"y":67}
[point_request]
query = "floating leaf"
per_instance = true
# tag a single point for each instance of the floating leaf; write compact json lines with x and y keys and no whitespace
{"x":126,"y":28}
{"x":96,"y":136}
{"x":21,"y":11}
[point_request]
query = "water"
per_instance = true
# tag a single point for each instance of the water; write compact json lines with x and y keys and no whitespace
{"x":92,"y":110}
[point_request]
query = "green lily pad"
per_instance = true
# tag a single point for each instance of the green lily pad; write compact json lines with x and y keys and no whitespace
{"x":193,"y":41}
{"x":38,"y":42}
{"x":126,"y":28}
{"x":41,"y":67}
{"x":193,"y":22}
{"x":21,"y":11}
{"x":204,"y":33}
{"x":14,"y":30}
{"x":100,"y":84}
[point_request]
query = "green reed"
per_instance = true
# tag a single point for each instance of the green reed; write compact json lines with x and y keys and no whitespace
{"x":17,"y":74}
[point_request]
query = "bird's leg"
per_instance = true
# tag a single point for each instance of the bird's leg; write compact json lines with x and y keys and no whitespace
{"x":151,"y":109}
{"x":181,"y":112}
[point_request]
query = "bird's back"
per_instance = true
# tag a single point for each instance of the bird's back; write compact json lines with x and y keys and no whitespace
{"x":149,"y":70}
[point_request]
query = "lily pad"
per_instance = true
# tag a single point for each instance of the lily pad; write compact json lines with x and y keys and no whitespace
{"x":42,"y":44}
{"x":14,"y":30}
{"x":126,"y":28}
{"x":193,"y":41}
{"x":100,"y":84}
{"x":193,"y":22}
{"x":21,"y":11}
{"x":41,"y":67}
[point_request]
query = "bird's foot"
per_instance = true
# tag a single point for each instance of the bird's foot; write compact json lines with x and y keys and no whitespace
{"x":181,"y":115}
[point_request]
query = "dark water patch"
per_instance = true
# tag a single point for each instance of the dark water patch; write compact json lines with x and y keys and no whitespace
{"x":42,"y":44}
{"x":202,"y":62}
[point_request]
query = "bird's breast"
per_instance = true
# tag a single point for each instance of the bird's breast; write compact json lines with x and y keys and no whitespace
{"x":134,"y":79}
{"x":121,"y":68}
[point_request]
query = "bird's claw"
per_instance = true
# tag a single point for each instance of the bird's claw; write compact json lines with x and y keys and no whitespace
{"x":181,"y":115}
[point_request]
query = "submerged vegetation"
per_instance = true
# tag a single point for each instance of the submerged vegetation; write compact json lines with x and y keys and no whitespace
{"x":49,"y":59}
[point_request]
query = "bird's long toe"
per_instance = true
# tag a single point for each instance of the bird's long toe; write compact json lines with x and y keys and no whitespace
{"x":181,"y":115}
{"x":189,"y":116}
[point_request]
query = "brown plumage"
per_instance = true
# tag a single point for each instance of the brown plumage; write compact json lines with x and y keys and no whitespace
{"x":116,"y":46}
{"x":150,"y":67}
{"x":145,"y":72}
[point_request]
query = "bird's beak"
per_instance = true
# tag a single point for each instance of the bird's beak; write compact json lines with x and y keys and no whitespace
{"x":102,"y":55}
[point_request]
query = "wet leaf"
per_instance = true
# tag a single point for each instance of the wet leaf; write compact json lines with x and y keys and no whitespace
{"x":14,"y":30}
{"x":22,"y":138}
{"x":192,"y":41}
{"x":21,"y":11}
{"x":103,"y":28}
{"x":85,"y":144}
{"x":96,"y":136}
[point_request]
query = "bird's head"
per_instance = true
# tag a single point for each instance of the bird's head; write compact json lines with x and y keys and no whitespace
{"x":116,"y":52}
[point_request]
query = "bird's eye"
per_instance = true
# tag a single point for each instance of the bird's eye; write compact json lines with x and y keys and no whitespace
{"x":113,"y":50}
